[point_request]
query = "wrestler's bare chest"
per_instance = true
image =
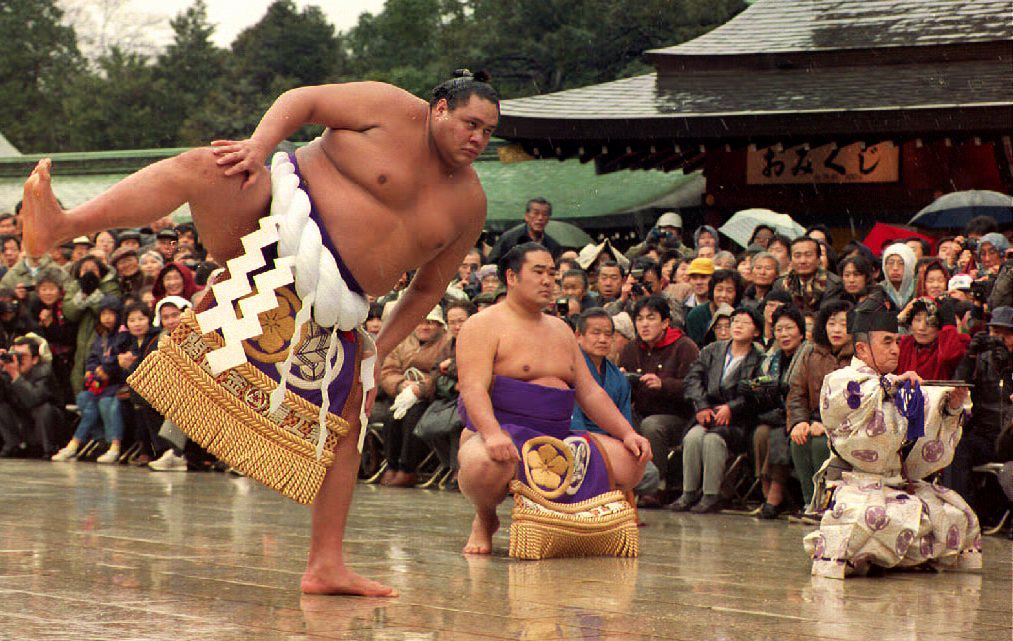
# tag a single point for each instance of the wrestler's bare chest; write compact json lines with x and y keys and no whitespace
{"x":385,"y":207}
{"x":536,"y":353}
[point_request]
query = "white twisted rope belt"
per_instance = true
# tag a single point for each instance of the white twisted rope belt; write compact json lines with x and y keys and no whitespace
{"x":318,"y":283}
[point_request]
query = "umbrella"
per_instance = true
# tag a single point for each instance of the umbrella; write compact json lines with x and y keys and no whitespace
{"x":567,"y":235}
{"x":882,"y":235}
{"x":954,"y":210}
{"x":741,"y":225}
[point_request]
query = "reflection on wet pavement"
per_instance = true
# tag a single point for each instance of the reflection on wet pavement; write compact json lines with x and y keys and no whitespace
{"x":90,"y":552}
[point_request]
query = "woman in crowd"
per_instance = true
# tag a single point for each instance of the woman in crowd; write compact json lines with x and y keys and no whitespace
{"x":722,"y":413}
{"x":129,"y":348}
{"x":772,"y":454}
{"x":725,"y":288}
{"x":90,"y":282}
{"x":762,"y":235}
{"x":53,"y":325}
{"x":175,"y":279}
{"x":858,"y":276}
{"x":899,"y":274}
{"x":705,"y":236}
{"x":991,"y":253}
{"x":934,"y":346}
{"x":105,"y":243}
{"x":933,"y":280}
{"x":97,"y":401}
{"x":151,"y":263}
{"x":409,"y":376}
{"x":765,"y":269}
{"x":832,"y":349}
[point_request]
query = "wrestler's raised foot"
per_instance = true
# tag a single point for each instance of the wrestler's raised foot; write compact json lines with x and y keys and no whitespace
{"x":42,"y":215}
{"x":343,"y":582}
{"x":482,"y":529}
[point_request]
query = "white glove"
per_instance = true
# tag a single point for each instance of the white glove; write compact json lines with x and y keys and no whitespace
{"x":403,"y":402}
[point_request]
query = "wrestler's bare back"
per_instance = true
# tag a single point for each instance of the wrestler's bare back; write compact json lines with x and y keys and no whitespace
{"x":387,"y":204}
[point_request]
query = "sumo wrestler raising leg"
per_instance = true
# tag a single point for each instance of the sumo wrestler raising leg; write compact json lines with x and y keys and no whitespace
{"x":391,"y":189}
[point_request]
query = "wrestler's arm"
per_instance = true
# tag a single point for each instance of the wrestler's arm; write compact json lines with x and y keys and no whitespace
{"x":598,"y":406}
{"x":430,"y":284}
{"x":476,"y":352}
{"x":354,"y":106}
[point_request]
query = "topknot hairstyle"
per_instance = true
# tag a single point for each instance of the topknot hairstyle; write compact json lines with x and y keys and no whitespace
{"x":462,"y":86}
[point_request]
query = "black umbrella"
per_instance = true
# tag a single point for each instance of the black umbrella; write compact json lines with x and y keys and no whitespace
{"x":954,"y":210}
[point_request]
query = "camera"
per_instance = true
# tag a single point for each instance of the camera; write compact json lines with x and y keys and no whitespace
{"x":563,"y":306}
{"x":632,"y":377}
{"x":982,"y":289}
{"x":8,"y":357}
{"x":970,"y":244}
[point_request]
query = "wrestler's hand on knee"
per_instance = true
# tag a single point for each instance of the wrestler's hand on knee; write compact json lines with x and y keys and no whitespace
{"x":501,"y":448}
{"x":639,"y":446}
{"x":240,"y":156}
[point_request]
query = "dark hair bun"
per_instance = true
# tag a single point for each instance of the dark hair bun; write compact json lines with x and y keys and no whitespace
{"x":462,"y":73}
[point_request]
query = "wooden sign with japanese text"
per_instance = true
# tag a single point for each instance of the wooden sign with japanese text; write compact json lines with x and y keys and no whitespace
{"x":827,"y":164}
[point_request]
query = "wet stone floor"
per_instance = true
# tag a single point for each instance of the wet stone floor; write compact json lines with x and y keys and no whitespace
{"x":90,"y":552}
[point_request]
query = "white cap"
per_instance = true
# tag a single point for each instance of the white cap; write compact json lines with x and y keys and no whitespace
{"x":437,"y":316}
{"x":960,"y":281}
{"x":669,"y":219}
{"x":179,"y":302}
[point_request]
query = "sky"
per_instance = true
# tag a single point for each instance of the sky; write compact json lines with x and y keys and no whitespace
{"x":232,"y":16}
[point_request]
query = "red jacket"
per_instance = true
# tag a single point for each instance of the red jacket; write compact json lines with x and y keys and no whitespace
{"x":937,"y":360}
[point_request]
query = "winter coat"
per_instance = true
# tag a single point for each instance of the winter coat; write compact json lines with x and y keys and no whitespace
{"x":937,"y":360}
{"x":803,"y":401}
{"x":22,"y":273}
{"x":990,"y":370}
{"x":411,"y":353}
{"x":33,"y":389}
{"x":83,"y":310}
{"x":670,"y":358}
{"x":705,"y":389}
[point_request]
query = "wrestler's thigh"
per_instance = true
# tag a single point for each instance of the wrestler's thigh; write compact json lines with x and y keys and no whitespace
{"x":222,"y":210}
{"x":626,"y":469}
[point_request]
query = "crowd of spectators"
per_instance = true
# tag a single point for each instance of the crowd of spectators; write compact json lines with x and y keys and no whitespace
{"x":715,"y":352}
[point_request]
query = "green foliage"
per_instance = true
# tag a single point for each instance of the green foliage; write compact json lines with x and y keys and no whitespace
{"x":195,"y":92}
{"x":38,"y":60}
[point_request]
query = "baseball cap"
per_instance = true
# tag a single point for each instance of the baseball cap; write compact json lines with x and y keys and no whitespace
{"x":701,"y":266}
{"x":83,"y":240}
{"x":669,"y":219}
{"x":959,"y":281}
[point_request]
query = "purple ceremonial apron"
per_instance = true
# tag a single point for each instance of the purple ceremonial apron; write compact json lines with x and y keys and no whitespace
{"x":526,"y":411}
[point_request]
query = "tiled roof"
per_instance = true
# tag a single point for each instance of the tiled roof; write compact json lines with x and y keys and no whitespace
{"x":771,"y":26}
{"x":692,"y":95}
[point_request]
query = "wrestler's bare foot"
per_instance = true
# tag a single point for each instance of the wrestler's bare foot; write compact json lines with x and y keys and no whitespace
{"x":42,"y":215}
{"x":343,"y":581}
{"x":482,"y":529}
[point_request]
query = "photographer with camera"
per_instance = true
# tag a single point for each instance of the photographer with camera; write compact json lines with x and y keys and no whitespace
{"x":666,"y":235}
{"x":988,"y":366}
{"x":656,"y":364}
{"x":90,"y":281}
{"x":27,"y":395}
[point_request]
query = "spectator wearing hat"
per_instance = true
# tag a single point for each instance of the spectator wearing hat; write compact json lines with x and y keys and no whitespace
{"x":150,"y":263}
{"x":705,"y":236}
{"x":988,"y":366}
{"x":659,"y":359}
{"x":28,"y":395}
{"x":725,"y":288}
{"x":80,"y":247}
{"x":129,"y":238}
{"x":409,"y":376}
{"x":808,"y":283}
{"x":722,"y":414}
{"x":991,"y":253}
{"x":128,"y":271}
{"x":899,"y":274}
{"x":537,"y":213}
{"x":175,"y":279}
{"x":700,"y":272}
{"x":90,"y":280}
{"x":488,"y":278}
{"x":165,"y":243}
{"x":666,"y":235}
{"x":720,"y":328}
